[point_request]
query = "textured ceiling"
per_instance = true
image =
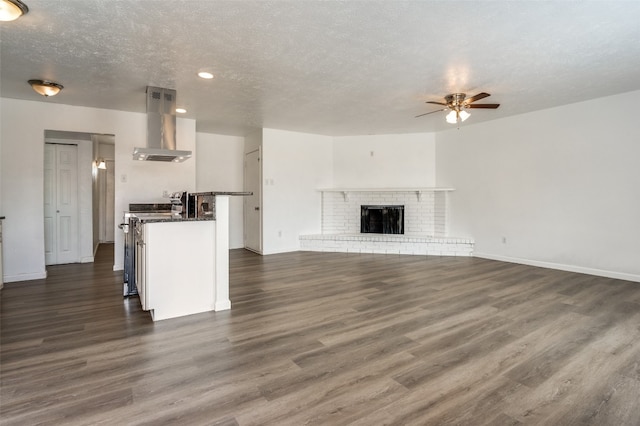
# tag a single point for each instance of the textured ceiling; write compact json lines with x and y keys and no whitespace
{"x":325,"y":67}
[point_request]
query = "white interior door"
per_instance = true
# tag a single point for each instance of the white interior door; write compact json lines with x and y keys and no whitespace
{"x":61,"y":204}
{"x":252,"y":204}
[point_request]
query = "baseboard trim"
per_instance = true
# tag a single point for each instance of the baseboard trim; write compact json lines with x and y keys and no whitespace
{"x":87,"y":259}
{"x":25,"y":277}
{"x":561,"y":267}
{"x":222,"y":305}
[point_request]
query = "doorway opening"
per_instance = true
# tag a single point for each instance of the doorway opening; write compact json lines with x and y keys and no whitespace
{"x":252,"y":203}
{"x":78,"y":197}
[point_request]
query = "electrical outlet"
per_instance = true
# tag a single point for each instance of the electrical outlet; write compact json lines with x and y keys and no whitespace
{"x":504,"y":240}
{"x":123,"y":178}
{"x":279,"y":233}
{"x":165,"y":194}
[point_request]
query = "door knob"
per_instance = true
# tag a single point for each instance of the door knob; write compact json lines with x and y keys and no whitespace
{"x":256,"y":208}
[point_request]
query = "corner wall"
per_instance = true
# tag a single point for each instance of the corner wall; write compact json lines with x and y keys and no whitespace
{"x":294,"y":166}
{"x":219,"y":167}
{"x":556,"y":188}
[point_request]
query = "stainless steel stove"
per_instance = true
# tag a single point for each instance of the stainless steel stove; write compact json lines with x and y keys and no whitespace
{"x":131,"y":221}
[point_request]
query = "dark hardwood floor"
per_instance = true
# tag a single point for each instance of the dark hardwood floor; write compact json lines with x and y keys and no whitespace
{"x":330,"y":339}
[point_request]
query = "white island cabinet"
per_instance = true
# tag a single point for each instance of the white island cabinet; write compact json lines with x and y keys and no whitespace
{"x":184,"y":265}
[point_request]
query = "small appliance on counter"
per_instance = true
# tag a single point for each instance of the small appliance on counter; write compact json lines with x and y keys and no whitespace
{"x":177,"y":205}
{"x":197,"y":204}
{"x":203,"y":204}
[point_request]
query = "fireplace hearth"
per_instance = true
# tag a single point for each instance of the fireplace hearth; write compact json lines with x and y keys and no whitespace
{"x":382,"y":219}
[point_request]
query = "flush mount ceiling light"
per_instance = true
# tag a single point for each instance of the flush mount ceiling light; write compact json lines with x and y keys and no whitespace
{"x":205,"y":75}
{"x":45,"y":87}
{"x":181,"y":110}
{"x":10,"y":10}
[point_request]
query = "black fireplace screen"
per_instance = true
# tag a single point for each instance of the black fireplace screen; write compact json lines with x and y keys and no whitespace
{"x":382,"y":219}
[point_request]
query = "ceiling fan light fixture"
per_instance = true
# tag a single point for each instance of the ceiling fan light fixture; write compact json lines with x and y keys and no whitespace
{"x":456,"y":116}
{"x":452,"y":117}
{"x":456,"y":105}
{"x":10,"y":10}
{"x":46,"y":88}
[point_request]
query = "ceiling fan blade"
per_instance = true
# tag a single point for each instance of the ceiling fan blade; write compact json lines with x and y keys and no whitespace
{"x":427,"y":113}
{"x":476,"y":97}
{"x":436,"y":103}
{"x":488,"y":106}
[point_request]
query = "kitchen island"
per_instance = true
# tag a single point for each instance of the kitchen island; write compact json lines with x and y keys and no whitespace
{"x":182,"y":264}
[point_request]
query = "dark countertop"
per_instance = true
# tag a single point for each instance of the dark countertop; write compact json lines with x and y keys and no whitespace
{"x":245,"y":193}
{"x":160,"y":218}
{"x":149,"y":207}
{"x":177,"y":219}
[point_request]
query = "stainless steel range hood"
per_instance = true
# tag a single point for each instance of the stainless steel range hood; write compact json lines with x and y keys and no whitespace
{"x":161,"y":128}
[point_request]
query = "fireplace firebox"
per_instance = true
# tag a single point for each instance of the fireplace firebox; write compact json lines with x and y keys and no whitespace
{"x":382,"y":219}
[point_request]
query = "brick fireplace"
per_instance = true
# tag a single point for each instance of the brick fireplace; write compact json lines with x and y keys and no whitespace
{"x":425,"y":211}
{"x":425,"y":227}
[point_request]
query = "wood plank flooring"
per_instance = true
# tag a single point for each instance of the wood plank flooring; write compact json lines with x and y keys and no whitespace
{"x":327,"y":339}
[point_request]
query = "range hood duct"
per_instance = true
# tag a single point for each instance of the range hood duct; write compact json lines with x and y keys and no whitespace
{"x":161,"y":128}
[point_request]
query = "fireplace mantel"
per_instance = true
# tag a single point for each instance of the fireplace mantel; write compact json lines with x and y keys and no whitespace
{"x":345,"y":191}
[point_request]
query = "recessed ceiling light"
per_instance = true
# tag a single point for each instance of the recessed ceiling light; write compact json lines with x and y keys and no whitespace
{"x":181,"y":110}
{"x":205,"y":75}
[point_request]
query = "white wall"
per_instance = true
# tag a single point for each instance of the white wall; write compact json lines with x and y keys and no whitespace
{"x":220,"y":167}
{"x":253,"y":141}
{"x":407,"y":160}
{"x":294,"y":166}
{"x":22,"y":134}
{"x":561,"y":185}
